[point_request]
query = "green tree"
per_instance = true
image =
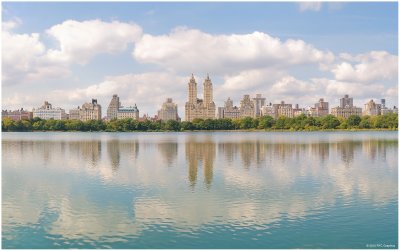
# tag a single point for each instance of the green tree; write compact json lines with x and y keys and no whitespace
{"x":266,"y":122}
{"x":353,"y":121}
{"x":172,"y":125}
{"x":330,"y":122}
{"x":246,"y":123}
{"x":7,"y":124}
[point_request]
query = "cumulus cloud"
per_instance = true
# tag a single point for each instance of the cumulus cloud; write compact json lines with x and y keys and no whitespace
{"x":367,"y":68}
{"x":23,"y":57}
{"x":26,"y":58}
{"x":80,"y":41}
{"x":311,"y":6}
{"x":190,"y":50}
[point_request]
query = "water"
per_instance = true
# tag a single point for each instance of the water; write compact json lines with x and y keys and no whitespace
{"x":200,"y":190}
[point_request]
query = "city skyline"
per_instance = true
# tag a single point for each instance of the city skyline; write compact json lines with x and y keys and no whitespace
{"x":146,"y":52}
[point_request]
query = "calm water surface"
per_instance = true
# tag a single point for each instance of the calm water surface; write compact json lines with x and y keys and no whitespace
{"x":199,"y":190}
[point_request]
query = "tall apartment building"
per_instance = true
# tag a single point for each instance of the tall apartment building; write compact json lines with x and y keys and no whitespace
{"x":283,"y":109}
{"x":268,"y":110}
{"x":258,"y":103}
{"x":346,"y":108}
{"x":247,"y":107}
{"x":17,"y":114}
{"x":46,"y":111}
{"x":346,"y":101}
{"x":228,"y":111}
{"x":371,"y":108}
{"x":322,"y":108}
{"x":88,"y":111}
{"x":200,"y":108}
{"x":168,"y":111}
{"x":297,"y":111}
{"x":112,"y":110}
{"x":116,"y":111}
{"x":128,"y":112}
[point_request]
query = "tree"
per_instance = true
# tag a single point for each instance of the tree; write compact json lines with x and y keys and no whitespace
{"x":266,"y":122}
{"x":172,"y":125}
{"x":330,"y":122}
{"x":365,"y":122}
{"x":246,"y":123}
{"x":7,"y":124}
{"x":353,"y":120}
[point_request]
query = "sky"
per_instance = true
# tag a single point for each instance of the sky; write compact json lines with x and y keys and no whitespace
{"x":70,"y":52}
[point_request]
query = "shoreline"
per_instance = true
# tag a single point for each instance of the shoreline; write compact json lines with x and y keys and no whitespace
{"x":239,"y":130}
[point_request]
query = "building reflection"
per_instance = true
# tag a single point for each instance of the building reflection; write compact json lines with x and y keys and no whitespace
{"x":200,"y":154}
{"x":346,"y":150}
{"x":321,"y":150}
{"x":114,"y":153}
{"x":169,"y":151}
{"x":90,"y":151}
{"x":117,"y":148}
{"x":377,"y":148}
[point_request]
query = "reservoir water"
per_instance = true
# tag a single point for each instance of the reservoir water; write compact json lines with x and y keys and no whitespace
{"x":200,"y":190}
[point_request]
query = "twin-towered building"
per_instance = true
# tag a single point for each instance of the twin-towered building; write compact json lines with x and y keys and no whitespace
{"x":200,"y":108}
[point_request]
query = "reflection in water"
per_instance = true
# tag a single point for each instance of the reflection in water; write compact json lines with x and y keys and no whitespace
{"x":200,"y":154}
{"x":258,"y":190}
{"x":114,"y":153}
{"x":169,"y":150}
{"x":90,"y":151}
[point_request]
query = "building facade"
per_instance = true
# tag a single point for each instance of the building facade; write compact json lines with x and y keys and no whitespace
{"x":258,"y":103}
{"x":268,"y":110}
{"x":112,"y":110}
{"x":228,"y":111}
{"x":116,"y":111}
{"x":346,"y":108}
{"x":247,"y":107}
{"x":128,"y":112}
{"x":168,"y":111}
{"x":200,"y":108}
{"x":371,"y":108}
{"x":46,"y":111}
{"x":17,"y":114}
{"x":283,"y":109}
{"x":321,"y":108}
{"x":88,"y":111}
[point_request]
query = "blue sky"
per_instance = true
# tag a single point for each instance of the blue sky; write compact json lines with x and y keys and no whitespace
{"x":145,"y":52}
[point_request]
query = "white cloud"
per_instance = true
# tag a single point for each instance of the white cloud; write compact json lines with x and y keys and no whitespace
{"x":292,"y":86}
{"x":366,"y":68}
{"x":80,"y":41}
{"x":337,"y":88}
{"x":11,"y":24}
{"x":23,"y":58}
{"x":312,"y":6}
{"x":188,"y":50}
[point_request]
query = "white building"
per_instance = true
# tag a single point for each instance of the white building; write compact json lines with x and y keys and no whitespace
{"x":46,"y":111}
{"x":168,"y":111}
{"x":128,"y":112}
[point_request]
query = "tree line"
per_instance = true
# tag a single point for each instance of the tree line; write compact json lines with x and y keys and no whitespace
{"x":299,"y":123}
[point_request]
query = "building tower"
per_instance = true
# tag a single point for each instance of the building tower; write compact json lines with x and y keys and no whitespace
{"x":192,"y":90}
{"x":208,"y":91}
{"x":258,"y":103}
{"x":346,"y":101}
{"x":112,"y":110}
{"x":383,"y":102}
